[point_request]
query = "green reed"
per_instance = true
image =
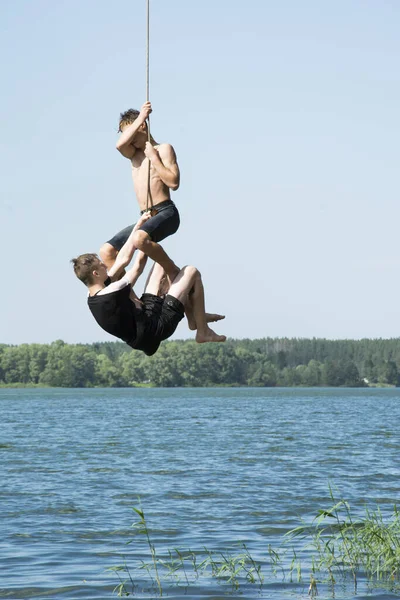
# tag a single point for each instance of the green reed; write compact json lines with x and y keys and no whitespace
{"x":334,"y":548}
{"x":140,"y":528}
{"x":186,"y":566}
{"x":233,"y":567}
{"x":343,"y":546}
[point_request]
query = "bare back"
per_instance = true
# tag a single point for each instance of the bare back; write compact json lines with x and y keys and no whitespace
{"x":140,"y":169}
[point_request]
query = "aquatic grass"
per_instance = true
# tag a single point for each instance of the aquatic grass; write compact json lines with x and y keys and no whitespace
{"x":334,"y":548}
{"x":121,"y":589}
{"x":185,"y":566}
{"x":342,"y":546}
{"x":141,"y":527}
{"x":233,"y":567}
{"x":175,"y":564}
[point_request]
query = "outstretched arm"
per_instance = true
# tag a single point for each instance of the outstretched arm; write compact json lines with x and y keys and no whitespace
{"x":133,"y":274}
{"x":129,"y":278}
{"x":124,"y":144}
{"x":125,"y":255}
{"x":164,"y":162}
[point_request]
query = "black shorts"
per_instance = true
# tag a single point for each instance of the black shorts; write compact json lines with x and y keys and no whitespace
{"x":162,"y":316}
{"x":164,"y":223}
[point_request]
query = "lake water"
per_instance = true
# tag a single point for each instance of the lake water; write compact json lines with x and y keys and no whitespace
{"x":212,"y":467}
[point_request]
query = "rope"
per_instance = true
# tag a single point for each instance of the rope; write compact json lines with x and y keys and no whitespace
{"x":147,"y":50}
{"x":149,"y":198}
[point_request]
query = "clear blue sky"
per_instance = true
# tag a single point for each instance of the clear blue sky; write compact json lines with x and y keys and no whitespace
{"x":285,"y":119}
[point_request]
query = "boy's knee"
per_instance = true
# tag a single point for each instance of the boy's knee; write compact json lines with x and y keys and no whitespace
{"x":141,"y":239}
{"x":108,"y":253}
{"x":193,"y":272}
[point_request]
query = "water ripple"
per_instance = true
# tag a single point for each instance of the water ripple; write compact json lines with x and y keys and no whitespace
{"x":211,"y":467}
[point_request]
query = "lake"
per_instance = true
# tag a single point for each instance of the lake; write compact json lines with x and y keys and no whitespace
{"x":213,"y":468}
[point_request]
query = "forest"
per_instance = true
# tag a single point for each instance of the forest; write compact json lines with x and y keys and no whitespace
{"x":263,"y":362}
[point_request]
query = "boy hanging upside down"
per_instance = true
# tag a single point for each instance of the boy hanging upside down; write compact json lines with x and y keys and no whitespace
{"x":164,"y":175}
{"x":144,"y":324}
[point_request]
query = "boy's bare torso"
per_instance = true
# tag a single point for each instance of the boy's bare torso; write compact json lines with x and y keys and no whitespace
{"x":140,"y":175}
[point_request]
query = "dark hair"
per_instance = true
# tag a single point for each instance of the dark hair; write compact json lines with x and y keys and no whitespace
{"x":127,"y":117}
{"x":84,"y":265}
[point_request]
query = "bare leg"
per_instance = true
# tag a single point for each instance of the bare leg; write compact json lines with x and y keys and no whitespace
{"x":164,"y":285}
{"x":148,"y":279}
{"x":156,"y":284}
{"x":189,"y":278}
{"x":156,"y":253}
{"x":108,"y":255}
{"x":154,"y":280}
{"x":189,"y":313}
{"x":210,"y":317}
{"x":204,"y":333}
{"x":163,"y":289}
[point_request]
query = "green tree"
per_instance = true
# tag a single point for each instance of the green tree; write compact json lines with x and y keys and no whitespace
{"x":69,"y":366}
{"x":369,"y":370}
{"x":38,"y":360}
{"x":264,"y":376}
{"x":281,"y":360}
{"x":312,"y":374}
{"x":289,"y":377}
{"x":106,"y":374}
{"x":388,"y":373}
{"x":161,"y":369}
{"x":130,"y":368}
{"x":331,"y":374}
{"x":351,"y":376}
{"x":15,"y":364}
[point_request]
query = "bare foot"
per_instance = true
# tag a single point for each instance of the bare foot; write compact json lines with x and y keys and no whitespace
{"x":213,"y":317}
{"x":208,"y":335}
{"x":210,"y":318}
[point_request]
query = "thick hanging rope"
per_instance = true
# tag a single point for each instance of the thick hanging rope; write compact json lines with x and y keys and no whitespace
{"x":149,"y":201}
{"x":147,"y":50}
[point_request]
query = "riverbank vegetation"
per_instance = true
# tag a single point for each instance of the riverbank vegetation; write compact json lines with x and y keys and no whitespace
{"x":264,"y":362}
{"x":337,"y":548}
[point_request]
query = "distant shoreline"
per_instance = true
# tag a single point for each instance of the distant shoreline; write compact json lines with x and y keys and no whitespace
{"x":19,"y":386}
{"x":244,"y":363}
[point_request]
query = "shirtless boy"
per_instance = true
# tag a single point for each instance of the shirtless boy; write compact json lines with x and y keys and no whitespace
{"x":133,"y":144}
{"x":143,"y":325}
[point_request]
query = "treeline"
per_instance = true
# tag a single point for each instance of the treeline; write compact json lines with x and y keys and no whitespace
{"x":259,"y":363}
